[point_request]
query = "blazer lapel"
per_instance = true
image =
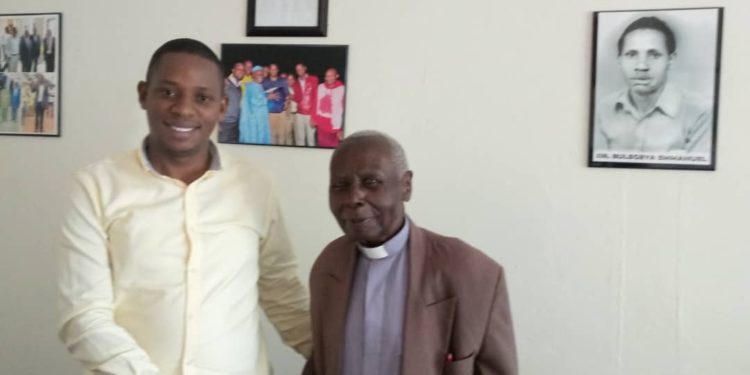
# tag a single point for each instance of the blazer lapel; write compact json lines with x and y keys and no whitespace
{"x":338,"y":280}
{"x":430,"y":308}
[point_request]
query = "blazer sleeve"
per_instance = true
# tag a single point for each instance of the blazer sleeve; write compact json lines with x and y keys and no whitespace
{"x":309,"y":366}
{"x":498,"y":353}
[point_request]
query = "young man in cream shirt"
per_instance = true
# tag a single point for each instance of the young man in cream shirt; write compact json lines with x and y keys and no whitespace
{"x":167,"y":252}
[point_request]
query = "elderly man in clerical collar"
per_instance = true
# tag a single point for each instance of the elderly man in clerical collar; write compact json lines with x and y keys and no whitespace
{"x":390,"y":297}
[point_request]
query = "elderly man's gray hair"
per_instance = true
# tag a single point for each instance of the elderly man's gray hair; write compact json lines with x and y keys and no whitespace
{"x":397,"y":152}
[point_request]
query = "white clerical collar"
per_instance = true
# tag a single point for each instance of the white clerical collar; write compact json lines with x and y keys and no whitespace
{"x":392,"y":246}
{"x":373,"y":252}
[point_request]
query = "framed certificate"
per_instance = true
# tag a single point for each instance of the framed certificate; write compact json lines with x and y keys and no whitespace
{"x":287,"y":17}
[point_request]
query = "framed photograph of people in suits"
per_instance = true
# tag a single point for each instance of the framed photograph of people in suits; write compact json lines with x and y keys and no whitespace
{"x":284,"y":95}
{"x":30,"y":74}
{"x":655,"y":88}
{"x":287,"y":17}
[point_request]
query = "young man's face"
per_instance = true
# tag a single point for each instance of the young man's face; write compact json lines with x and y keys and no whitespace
{"x":183,"y":100}
{"x":645,"y":61}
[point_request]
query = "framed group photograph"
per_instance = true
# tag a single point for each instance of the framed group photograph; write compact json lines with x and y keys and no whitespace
{"x":30,"y":74}
{"x":655,"y":88}
{"x":287,"y":17}
{"x":284,"y":95}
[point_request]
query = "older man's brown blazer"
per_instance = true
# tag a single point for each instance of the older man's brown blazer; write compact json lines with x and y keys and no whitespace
{"x":457,"y":317}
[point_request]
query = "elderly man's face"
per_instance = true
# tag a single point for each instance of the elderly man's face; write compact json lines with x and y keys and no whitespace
{"x":645,"y":61}
{"x":367,"y":192}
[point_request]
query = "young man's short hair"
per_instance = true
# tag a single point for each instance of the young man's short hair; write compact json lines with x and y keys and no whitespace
{"x":184,"y":45}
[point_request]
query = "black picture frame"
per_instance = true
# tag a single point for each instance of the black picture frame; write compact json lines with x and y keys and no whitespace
{"x":651,"y":140}
{"x":318,"y":30}
{"x":23,"y":73}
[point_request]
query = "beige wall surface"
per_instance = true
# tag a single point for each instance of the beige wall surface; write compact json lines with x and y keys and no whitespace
{"x":611,"y":271}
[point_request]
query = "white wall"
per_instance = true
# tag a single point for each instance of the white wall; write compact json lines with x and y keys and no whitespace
{"x":611,"y":271}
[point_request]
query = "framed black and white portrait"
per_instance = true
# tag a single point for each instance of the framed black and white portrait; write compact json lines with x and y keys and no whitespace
{"x":287,"y":17}
{"x":655,"y":88}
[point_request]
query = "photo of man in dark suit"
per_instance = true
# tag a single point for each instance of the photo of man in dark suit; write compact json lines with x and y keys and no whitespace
{"x":41,"y":101}
{"x":36,"y":45}
{"x":26,"y":51}
{"x":48,"y":47}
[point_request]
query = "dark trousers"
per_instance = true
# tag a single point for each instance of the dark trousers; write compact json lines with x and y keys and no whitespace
{"x":26,"y":64}
{"x":229,"y":132}
{"x":39,"y":119}
{"x":49,"y":63}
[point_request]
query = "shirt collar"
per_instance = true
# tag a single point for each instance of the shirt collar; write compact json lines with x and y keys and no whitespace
{"x":668,"y":102}
{"x":393,"y":246}
{"x":212,"y":150}
{"x":233,"y":80}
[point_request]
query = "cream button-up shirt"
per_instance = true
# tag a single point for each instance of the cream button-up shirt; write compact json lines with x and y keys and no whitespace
{"x":159,"y":277}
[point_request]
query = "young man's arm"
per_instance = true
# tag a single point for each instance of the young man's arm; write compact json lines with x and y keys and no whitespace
{"x":86,"y":323}
{"x":284,"y":299}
